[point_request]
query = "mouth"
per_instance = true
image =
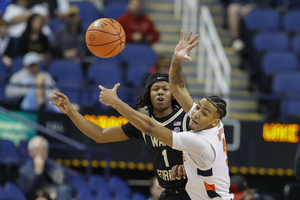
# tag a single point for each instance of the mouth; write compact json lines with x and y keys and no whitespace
{"x":160,"y":100}
{"x":194,"y":122}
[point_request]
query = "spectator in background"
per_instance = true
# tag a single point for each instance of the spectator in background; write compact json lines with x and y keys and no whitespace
{"x":236,"y":12}
{"x":57,"y":8}
{"x":18,"y":13}
{"x":297,"y":163}
{"x":7,"y":44}
{"x":69,"y":41}
{"x":137,"y":26}
{"x":241,"y":191}
{"x":33,"y":39}
{"x":27,"y":85}
{"x":155,"y":189}
{"x":41,"y":173}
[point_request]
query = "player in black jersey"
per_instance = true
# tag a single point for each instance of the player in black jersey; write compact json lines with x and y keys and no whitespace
{"x":164,"y":109}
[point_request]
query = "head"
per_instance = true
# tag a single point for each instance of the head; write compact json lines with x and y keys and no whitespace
{"x":134,"y":7}
{"x":23,"y":3}
{"x":30,"y":61}
{"x":239,"y":187}
{"x":157,"y":96}
{"x":208,"y":113}
{"x":73,"y":16}
{"x":155,"y":189}
{"x":3,"y":28}
{"x":38,"y":146}
{"x":34,"y":25}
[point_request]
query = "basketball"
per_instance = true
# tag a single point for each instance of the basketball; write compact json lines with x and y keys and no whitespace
{"x":105,"y":38}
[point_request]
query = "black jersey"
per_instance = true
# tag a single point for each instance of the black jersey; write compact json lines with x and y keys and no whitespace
{"x":163,"y":156}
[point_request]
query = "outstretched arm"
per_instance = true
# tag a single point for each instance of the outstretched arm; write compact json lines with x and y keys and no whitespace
{"x":141,"y":121}
{"x":177,"y":85}
{"x":95,"y":132}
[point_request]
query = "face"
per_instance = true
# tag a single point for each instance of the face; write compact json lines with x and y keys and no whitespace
{"x":204,"y":116}
{"x":73,"y":19}
{"x":39,"y":148}
{"x":34,"y":68}
{"x":3,"y":31}
{"x":134,"y":7}
{"x":161,"y":97}
{"x":156,"y":190}
{"x":36,"y":24}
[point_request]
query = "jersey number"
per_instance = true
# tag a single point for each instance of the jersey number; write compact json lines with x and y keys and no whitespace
{"x":164,"y":153}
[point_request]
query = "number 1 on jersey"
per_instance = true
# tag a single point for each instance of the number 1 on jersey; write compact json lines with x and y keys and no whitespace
{"x":164,"y":153}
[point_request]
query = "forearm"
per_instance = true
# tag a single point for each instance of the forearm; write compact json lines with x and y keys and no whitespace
{"x":87,"y":127}
{"x":137,"y":119}
{"x":176,"y":75}
{"x":21,"y":18}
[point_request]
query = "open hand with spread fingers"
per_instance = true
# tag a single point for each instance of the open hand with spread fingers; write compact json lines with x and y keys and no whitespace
{"x":62,"y":102}
{"x":177,"y":172}
{"x":108,"y":96}
{"x":184,"y":46}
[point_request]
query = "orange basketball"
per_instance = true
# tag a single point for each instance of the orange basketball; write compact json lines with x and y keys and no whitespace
{"x":105,"y":37}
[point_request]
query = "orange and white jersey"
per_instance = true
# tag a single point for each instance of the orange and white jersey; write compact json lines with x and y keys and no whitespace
{"x":205,"y":162}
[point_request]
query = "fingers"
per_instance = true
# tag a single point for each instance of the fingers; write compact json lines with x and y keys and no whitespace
{"x":181,"y":35}
{"x":54,"y":98}
{"x":116,"y":86}
{"x":60,"y":95}
{"x":194,"y":39}
{"x":189,"y":35}
{"x":101,"y":87}
{"x":174,"y":172}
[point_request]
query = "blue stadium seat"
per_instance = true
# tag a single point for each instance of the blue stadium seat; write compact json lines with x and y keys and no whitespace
{"x":289,"y":107}
{"x":9,"y":153}
{"x":266,"y":41}
{"x":135,"y":76}
{"x":66,"y":70}
{"x":291,"y":21}
{"x":138,"y":54}
{"x":101,"y":73}
{"x":286,"y":83}
{"x":78,"y":183}
{"x":296,"y":44}
{"x":277,"y":62}
{"x":118,"y":1}
{"x":23,"y":151}
{"x":292,"y":4}
{"x":104,"y":195}
{"x":114,"y":10}
{"x":114,"y":60}
{"x":86,"y":194}
{"x":121,"y":196}
{"x":262,"y":18}
{"x":3,"y":72}
{"x":14,"y":191}
{"x":138,"y":196}
{"x":3,"y":5}
{"x":3,"y":194}
{"x":87,"y":10}
{"x":72,"y":88}
{"x":98,"y":183}
{"x":119,"y":186}
{"x":54,"y":24}
{"x":17,"y":64}
{"x":2,"y":91}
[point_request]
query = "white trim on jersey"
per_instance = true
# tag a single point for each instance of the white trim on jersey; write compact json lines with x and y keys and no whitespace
{"x":169,"y":120}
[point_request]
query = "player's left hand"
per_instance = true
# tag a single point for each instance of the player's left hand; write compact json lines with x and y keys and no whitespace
{"x":108,"y":96}
{"x":184,"y":46}
{"x":178,"y":171}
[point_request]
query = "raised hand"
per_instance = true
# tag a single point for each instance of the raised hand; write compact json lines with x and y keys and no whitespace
{"x":178,"y":171}
{"x":184,"y":46}
{"x":62,"y":102}
{"x":108,"y":96}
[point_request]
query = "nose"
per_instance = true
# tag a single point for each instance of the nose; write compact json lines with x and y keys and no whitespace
{"x":160,"y":91}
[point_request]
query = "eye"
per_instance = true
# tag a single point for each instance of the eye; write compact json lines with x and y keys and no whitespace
{"x":154,"y":89}
{"x":204,"y":114}
{"x":197,"y":107}
{"x":166,"y":89}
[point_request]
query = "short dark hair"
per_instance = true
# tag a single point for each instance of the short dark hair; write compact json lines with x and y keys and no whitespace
{"x":144,"y":99}
{"x":219,"y":103}
{"x":3,"y":22}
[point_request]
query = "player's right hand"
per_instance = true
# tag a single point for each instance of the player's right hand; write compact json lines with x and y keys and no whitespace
{"x":177,"y":172}
{"x":62,"y":102}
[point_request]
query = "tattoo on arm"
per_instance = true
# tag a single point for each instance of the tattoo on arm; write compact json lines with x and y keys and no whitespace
{"x":176,"y":74}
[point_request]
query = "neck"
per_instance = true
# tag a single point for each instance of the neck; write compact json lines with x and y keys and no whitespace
{"x":159,"y":114}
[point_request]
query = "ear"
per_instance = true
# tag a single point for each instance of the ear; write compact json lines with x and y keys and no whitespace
{"x":215,"y":122}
